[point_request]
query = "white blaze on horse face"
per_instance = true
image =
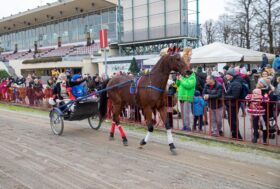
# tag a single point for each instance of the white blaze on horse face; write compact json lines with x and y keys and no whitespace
{"x":169,"y":136}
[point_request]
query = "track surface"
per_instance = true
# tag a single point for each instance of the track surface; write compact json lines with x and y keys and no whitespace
{"x":32,"y":157}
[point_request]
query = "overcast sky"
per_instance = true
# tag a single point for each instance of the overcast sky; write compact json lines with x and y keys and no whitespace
{"x":209,"y":9}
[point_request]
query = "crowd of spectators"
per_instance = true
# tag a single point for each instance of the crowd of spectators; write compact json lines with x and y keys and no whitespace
{"x":233,"y":89}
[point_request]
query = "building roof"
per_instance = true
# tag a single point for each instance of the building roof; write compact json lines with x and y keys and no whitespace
{"x":221,"y":53}
{"x":122,"y":58}
{"x":52,"y":11}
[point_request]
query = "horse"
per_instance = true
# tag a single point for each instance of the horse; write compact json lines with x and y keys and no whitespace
{"x":150,"y":94}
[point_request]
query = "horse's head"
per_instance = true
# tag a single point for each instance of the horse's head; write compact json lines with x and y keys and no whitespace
{"x":176,"y":62}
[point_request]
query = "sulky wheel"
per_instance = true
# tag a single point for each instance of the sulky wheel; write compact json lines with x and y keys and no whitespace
{"x":93,"y":124}
{"x":56,"y":120}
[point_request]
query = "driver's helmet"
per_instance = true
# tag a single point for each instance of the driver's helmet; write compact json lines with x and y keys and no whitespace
{"x":75,"y":77}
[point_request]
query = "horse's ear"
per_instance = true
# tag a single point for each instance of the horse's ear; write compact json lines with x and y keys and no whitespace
{"x":169,"y":51}
{"x":174,"y":50}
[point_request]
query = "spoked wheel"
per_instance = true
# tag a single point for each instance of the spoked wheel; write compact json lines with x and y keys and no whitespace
{"x":56,"y":121}
{"x":92,"y":122}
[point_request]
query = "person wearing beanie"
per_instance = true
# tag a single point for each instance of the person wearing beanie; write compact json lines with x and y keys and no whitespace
{"x":231,"y":72}
{"x":198,"y":110}
{"x":232,"y":95}
{"x":217,"y":77}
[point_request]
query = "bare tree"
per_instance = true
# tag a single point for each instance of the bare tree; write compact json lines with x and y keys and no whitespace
{"x":260,"y":36}
{"x":268,"y":12}
{"x":209,"y":31}
{"x":224,"y":28}
{"x":243,"y":11}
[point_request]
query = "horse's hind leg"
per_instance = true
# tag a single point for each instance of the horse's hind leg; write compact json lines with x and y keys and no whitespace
{"x":116,"y":121}
{"x":148,"y":115}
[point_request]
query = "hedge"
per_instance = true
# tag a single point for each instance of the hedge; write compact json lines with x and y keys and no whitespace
{"x":42,"y":60}
{"x":4,"y":74}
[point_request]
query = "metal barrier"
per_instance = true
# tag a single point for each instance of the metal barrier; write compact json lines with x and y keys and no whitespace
{"x":227,"y":122}
{"x":27,"y":96}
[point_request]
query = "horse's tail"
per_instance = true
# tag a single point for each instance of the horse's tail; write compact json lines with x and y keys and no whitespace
{"x":103,"y":102}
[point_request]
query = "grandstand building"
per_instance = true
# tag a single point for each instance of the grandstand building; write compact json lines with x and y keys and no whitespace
{"x":65,"y":34}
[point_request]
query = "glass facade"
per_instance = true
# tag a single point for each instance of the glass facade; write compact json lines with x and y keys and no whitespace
{"x":157,"y":19}
{"x":72,"y":29}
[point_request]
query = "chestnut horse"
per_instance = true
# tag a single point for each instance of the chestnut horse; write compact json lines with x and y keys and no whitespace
{"x":150,"y":94}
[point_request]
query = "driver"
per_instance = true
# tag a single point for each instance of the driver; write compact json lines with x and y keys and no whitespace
{"x":78,"y":90}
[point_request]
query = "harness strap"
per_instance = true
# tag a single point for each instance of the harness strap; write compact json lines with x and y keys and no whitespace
{"x":155,"y":88}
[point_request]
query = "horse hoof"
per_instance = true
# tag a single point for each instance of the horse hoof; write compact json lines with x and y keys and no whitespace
{"x":142,"y":142}
{"x":173,"y":151}
{"x":125,"y":143}
{"x":111,"y":138}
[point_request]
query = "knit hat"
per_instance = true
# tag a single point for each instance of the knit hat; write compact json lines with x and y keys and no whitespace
{"x":231,"y":72}
{"x":197,"y":93}
{"x":75,"y":77}
{"x":226,"y":67}
{"x":257,"y":91}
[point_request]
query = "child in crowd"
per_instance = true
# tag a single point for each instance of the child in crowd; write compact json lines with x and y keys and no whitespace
{"x":257,"y":110}
{"x":198,"y":109}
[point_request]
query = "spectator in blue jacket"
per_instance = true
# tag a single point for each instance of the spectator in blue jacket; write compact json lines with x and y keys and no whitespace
{"x":276,"y":63}
{"x":198,"y":110}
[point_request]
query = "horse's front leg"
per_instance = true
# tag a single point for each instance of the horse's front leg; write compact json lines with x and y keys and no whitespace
{"x":150,"y":124}
{"x":168,"y":126}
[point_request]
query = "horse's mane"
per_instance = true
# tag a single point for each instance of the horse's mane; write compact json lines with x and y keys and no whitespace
{"x":158,"y":64}
{"x":187,"y":52}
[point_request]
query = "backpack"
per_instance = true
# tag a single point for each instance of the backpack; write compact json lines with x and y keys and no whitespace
{"x":244,"y":91}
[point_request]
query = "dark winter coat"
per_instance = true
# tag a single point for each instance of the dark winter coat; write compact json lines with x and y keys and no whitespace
{"x":233,"y":91}
{"x":200,"y":81}
{"x":215,"y":95}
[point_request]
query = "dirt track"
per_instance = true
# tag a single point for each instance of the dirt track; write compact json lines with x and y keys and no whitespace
{"x":32,"y":157}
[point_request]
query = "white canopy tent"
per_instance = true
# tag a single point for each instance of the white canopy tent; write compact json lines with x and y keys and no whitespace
{"x":221,"y":53}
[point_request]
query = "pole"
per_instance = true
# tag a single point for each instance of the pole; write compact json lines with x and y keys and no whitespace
{"x":105,"y":60}
{"x":197,"y":23}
